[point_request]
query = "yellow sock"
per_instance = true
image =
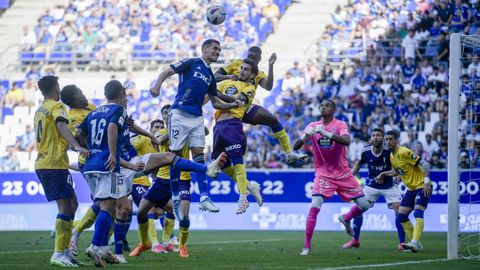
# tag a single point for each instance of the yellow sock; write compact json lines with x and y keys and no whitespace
{"x":69,"y":234}
{"x":152,"y":231}
{"x":284,"y":140}
{"x":241,"y":176}
{"x":86,"y":222}
{"x":183,"y":236}
{"x":408,"y":227}
{"x":167,"y":229}
{"x":61,"y":234}
{"x":418,"y":230}
{"x":143,"y":233}
{"x":230,"y":171}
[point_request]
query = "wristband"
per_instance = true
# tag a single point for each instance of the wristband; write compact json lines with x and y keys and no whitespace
{"x":427,"y":180}
{"x":304,"y":137}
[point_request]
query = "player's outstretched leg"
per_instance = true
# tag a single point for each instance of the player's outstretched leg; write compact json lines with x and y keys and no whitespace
{"x":252,"y":187}
{"x":257,"y":115}
{"x":315,"y":207}
{"x":362,"y":205}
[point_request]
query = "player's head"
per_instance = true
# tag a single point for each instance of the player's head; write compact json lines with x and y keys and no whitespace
{"x":248,"y":70}
{"x":49,"y":87}
{"x":391,"y":138}
{"x":255,"y":53}
{"x":164,"y":111}
{"x":211,"y":50}
{"x":156,"y":125}
{"x":327,"y":107}
{"x":376,"y":137}
{"x":115,"y":92}
{"x":73,"y":97}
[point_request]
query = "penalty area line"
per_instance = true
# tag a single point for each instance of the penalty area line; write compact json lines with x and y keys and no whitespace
{"x":380,"y":265}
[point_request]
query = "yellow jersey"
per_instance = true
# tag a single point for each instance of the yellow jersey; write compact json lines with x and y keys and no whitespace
{"x":233,"y":88}
{"x":164,"y":172}
{"x":233,"y":67}
{"x":143,"y":145}
{"x":406,"y":163}
{"x":51,"y":146}
{"x":75,"y":118}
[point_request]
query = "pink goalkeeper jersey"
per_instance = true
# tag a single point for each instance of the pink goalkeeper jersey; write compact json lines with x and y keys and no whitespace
{"x":330,"y":157}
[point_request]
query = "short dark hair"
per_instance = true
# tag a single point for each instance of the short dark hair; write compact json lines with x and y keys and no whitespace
{"x":153,"y":122}
{"x":393,"y":133}
{"x":255,"y":53}
{"x":378,"y":130}
{"x":255,"y":49}
{"x":252,"y":64}
{"x":166,"y":107}
{"x":67,"y":94}
{"x":331,"y":101}
{"x":113,"y":89}
{"x":209,"y":42}
{"x":47,"y":83}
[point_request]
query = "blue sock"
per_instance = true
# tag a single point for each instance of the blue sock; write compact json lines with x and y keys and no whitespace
{"x":400,"y":231}
{"x":170,"y":216}
{"x":357,"y":226}
{"x":201,"y":176}
{"x":95,"y":208}
{"x":119,"y":234}
{"x":128,"y":223}
{"x":182,"y":164}
{"x":174,"y":184}
{"x":102,"y":227}
{"x":161,"y":218}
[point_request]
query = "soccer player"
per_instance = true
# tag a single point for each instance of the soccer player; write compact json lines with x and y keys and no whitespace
{"x":329,"y":138}
{"x":159,"y":195}
{"x":255,"y":114}
{"x":377,"y":158}
{"x":186,"y":120}
{"x":74,"y":98}
{"x":228,"y":132}
{"x":51,"y":166}
{"x":414,"y":172}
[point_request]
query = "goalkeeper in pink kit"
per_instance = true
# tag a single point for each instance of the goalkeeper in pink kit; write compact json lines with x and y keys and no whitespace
{"x":330,"y":138}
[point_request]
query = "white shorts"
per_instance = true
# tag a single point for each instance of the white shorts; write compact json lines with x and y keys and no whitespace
{"x":187,"y":129}
{"x":103,"y":185}
{"x":391,"y":195}
{"x":126,"y":176}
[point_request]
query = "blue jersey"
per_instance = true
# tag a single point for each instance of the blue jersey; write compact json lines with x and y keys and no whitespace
{"x":127,"y":151}
{"x":95,"y":125}
{"x":195,"y":81}
{"x":376,"y":165}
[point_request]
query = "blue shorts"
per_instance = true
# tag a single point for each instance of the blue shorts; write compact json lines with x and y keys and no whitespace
{"x":250,"y":113}
{"x":159,"y":192}
{"x":228,"y":136}
{"x":57,"y":183}
{"x":415,"y":197}
{"x":137,"y":193}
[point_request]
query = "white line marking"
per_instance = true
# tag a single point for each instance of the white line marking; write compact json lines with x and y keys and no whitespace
{"x":380,"y":265}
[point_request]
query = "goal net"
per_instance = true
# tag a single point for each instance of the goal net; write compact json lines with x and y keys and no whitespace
{"x":464,"y":148}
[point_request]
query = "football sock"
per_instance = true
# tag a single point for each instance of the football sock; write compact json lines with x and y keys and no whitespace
{"x":62,"y":223}
{"x":284,"y":140}
{"x":183,"y":236}
{"x":102,"y":225}
{"x":161,"y":217}
{"x":152,"y":230}
{"x":357,"y":226}
{"x":354,"y":212}
{"x":143,"y":230}
{"x":87,"y":221}
{"x":400,"y":231}
{"x":172,"y":217}
{"x":128,"y":223}
{"x":230,"y":171}
{"x":408,"y":227}
{"x":168,"y":229}
{"x":119,"y":234}
{"x":310,"y":228}
{"x":241,"y":176}
{"x":201,"y":177}
{"x":197,"y":165}
{"x":69,"y":233}
{"x":419,"y":223}
{"x":110,"y":232}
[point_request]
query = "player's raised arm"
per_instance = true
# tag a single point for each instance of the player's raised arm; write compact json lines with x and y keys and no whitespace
{"x":65,"y":132}
{"x":309,"y":131}
{"x":140,"y":131}
{"x":379,"y":178}
{"x":267,"y":83}
{"x":356,"y":167}
{"x":155,"y":90}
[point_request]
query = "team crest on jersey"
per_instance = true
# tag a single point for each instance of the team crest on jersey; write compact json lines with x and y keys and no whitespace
{"x":413,"y":156}
{"x":232,"y":90}
{"x":324,"y":142}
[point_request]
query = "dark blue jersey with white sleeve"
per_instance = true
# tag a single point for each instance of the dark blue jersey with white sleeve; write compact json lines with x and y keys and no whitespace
{"x":95,"y":125}
{"x":196,"y":79}
{"x":377,"y":164}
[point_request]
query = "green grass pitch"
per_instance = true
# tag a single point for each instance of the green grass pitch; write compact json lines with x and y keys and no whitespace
{"x":248,"y":250}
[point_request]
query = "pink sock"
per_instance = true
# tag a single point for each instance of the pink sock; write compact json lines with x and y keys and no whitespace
{"x":354,"y":212}
{"x":311,"y":222}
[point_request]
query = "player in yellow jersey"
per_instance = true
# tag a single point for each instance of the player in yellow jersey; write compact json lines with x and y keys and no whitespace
{"x":73,"y":97}
{"x":255,"y":114}
{"x":414,"y":172}
{"x":159,"y":195}
{"x":228,"y":132}
{"x":51,"y":166}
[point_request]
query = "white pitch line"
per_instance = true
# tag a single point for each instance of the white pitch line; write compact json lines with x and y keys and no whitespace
{"x":190,"y":244}
{"x":380,"y":265}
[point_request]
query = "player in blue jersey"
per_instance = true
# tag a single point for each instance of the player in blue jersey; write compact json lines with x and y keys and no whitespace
{"x":377,"y":158}
{"x":196,"y":80}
